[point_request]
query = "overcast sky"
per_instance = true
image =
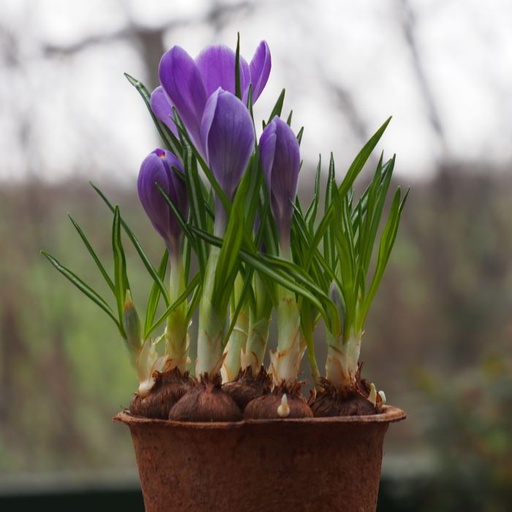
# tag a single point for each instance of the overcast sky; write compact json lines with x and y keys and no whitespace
{"x":76,"y":113}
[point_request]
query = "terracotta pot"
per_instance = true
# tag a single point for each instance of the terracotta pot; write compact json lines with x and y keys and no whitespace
{"x":314,"y":464}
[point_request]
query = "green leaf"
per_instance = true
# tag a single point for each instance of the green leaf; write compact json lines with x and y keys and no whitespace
{"x":330,"y":195}
{"x":192,"y":286}
{"x":179,"y":217}
{"x":155,"y":294}
{"x":197,"y":200}
{"x":238,"y":87}
{"x":228,"y":262}
{"x":306,"y":251}
{"x":245,"y":296}
{"x":93,"y":254}
{"x":307,"y":324}
{"x":145,"y":260}
{"x":84,"y":288}
{"x":387,"y":241}
{"x":217,"y":189}
{"x":278,"y":108}
{"x":169,"y":139}
{"x":120,"y":275}
{"x":299,"y":136}
{"x":361,"y":158}
{"x":376,"y":201}
{"x":280,"y":271}
{"x":312,"y":210}
{"x":239,"y":221}
{"x":320,"y":300}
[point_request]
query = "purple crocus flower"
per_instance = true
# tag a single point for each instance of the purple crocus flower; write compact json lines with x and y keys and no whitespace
{"x":260,"y":70}
{"x":280,"y":161}
{"x":227,"y":132}
{"x":162,"y":108}
{"x":188,"y":82}
{"x":217,"y":67}
{"x":160,"y":168}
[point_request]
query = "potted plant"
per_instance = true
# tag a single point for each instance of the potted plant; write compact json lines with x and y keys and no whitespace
{"x":214,"y":424}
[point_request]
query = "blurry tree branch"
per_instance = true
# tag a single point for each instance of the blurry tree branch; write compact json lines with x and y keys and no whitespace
{"x":408,"y":24}
{"x":150,"y":40}
{"x":345,"y":101}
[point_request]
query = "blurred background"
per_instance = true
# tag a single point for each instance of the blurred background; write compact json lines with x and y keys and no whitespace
{"x":438,"y":339}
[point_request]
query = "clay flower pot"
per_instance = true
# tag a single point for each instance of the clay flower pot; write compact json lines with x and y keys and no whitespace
{"x":313,"y":464}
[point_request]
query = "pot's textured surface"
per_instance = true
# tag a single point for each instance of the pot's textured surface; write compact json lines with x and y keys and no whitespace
{"x":312,"y":464}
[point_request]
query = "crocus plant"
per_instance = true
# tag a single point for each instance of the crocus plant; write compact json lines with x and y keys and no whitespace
{"x":239,"y":249}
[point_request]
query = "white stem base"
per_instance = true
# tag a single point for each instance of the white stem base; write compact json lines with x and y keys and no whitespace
{"x":342,"y":362}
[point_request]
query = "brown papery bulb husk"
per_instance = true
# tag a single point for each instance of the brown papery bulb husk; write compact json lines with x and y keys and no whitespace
{"x":247,"y":387}
{"x":169,"y":387}
{"x":266,"y":407}
{"x":206,"y":402}
{"x":348,"y":401}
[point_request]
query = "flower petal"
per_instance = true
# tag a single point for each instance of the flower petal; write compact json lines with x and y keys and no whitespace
{"x":267,"y":151}
{"x":280,"y":160}
{"x":162,"y":108}
{"x":217,"y":66}
{"x":181,"y":79}
{"x":260,"y":69}
{"x":159,"y":168}
{"x":228,"y":136}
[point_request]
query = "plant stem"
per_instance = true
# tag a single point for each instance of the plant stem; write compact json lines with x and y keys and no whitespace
{"x":313,"y":364}
{"x":257,"y":338}
{"x":285,"y":361}
{"x":211,"y":323}
{"x":342,"y":359}
{"x":237,"y":340}
{"x":176,"y":333}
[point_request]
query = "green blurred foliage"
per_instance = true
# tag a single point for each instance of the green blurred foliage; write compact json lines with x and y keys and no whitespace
{"x":470,"y":428}
{"x":442,"y":327}
{"x":64,"y":370}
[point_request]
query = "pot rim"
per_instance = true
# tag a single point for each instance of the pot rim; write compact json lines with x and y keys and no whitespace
{"x":390,"y":414}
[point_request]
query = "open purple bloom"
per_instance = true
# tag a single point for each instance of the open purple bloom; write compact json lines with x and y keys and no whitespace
{"x":280,"y":161}
{"x":162,"y":108}
{"x":182,"y":82}
{"x":217,"y":67}
{"x":160,"y":168}
{"x":228,"y":134}
{"x":188,"y":83}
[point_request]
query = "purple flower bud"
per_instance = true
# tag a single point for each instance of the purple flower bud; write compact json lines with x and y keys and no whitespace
{"x":260,"y":70}
{"x":160,"y":168}
{"x":228,"y":135}
{"x":280,"y":161}
{"x":162,"y":108}
{"x":188,"y":83}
